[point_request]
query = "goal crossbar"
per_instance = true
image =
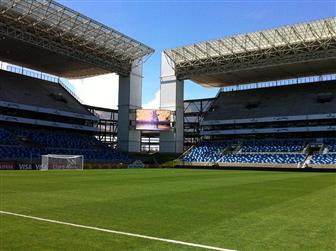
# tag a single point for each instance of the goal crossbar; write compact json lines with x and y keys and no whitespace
{"x":60,"y":161}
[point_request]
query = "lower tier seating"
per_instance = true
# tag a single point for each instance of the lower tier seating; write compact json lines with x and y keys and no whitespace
{"x":274,"y":146}
{"x":323,"y":159}
{"x":206,"y":152}
{"x":6,"y":138}
{"x":25,"y":153}
{"x":286,"y":151}
{"x":20,"y":143}
{"x":331,"y":145}
{"x":263,"y":158}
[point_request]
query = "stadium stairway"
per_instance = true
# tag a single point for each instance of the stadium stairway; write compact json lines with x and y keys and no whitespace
{"x":185,"y":153}
{"x":307,"y":161}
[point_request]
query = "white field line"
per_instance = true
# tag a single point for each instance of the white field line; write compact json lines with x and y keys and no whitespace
{"x":118,"y":232}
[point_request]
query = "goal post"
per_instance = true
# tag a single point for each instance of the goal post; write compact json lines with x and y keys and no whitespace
{"x":58,"y":161}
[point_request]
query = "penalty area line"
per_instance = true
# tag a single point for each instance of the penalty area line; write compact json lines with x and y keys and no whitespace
{"x":118,"y":232}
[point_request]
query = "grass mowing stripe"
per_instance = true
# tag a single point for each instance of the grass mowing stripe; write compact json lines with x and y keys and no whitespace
{"x":118,"y":232}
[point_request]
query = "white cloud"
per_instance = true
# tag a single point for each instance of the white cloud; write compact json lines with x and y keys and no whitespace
{"x":101,"y":91}
{"x":154,"y":103}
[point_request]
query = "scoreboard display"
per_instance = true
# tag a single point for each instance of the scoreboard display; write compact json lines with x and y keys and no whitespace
{"x":153,"y":120}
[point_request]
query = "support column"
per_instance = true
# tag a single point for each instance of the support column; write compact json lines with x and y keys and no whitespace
{"x":130,"y":90}
{"x":172,"y":98}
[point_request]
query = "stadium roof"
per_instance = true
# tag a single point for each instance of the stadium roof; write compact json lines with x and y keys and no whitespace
{"x":286,"y":52}
{"x":47,"y":36}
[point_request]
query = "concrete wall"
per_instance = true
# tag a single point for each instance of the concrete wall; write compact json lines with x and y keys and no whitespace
{"x":172,"y":94}
{"x":130,"y":90}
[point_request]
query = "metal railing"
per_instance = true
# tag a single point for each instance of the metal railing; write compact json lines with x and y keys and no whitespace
{"x":283,"y":82}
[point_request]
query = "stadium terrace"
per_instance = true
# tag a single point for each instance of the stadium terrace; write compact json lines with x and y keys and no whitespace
{"x":275,"y":111}
{"x":270,"y":63}
{"x":279,"y":83}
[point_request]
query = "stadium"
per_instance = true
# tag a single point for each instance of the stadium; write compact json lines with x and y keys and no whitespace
{"x":251,"y":168}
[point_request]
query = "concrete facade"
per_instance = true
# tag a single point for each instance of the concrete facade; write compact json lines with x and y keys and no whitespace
{"x":172,"y":98}
{"x":130,"y":90}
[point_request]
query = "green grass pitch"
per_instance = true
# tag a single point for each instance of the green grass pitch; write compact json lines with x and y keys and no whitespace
{"x":240,"y":210}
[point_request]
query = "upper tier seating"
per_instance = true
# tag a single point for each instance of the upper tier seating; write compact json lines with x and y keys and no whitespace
{"x":303,"y":99}
{"x":27,"y":143}
{"x":25,"y":90}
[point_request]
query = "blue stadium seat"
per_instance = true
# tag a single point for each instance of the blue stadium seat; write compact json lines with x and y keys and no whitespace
{"x":41,"y":141}
{"x":330,"y":144}
{"x":260,"y":151}
{"x":274,"y":146}
{"x":206,"y":152}
{"x":323,"y":159}
{"x":264,"y":158}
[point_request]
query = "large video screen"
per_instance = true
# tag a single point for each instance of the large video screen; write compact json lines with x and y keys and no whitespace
{"x":152,"y":120}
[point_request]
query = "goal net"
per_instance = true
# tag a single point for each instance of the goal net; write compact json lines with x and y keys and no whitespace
{"x":56,"y":161}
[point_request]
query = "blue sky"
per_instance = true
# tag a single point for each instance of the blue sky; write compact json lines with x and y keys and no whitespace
{"x":167,"y":24}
